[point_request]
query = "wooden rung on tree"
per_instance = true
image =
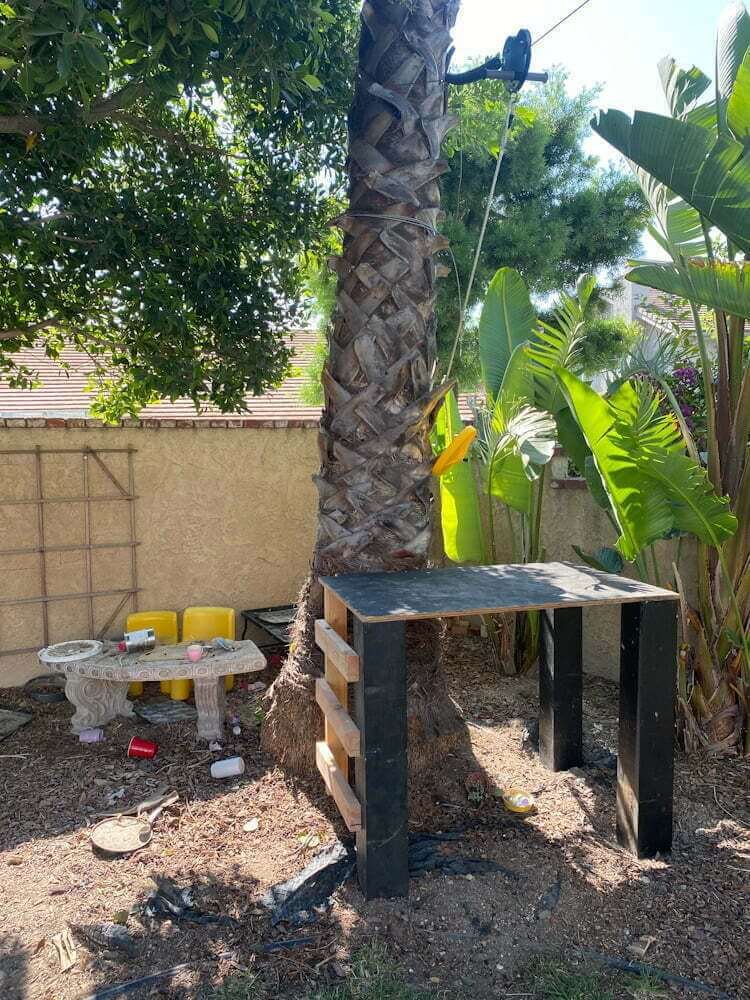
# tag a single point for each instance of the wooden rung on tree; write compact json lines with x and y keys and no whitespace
{"x":337,"y":785}
{"x":337,"y":717}
{"x":337,"y":650}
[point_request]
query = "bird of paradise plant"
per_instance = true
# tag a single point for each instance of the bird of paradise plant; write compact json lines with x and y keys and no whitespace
{"x":693,"y":167}
{"x":633,"y":456}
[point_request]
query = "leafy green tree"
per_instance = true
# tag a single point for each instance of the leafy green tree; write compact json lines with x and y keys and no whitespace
{"x":160,"y":173}
{"x":557,"y":213}
{"x":606,"y":340}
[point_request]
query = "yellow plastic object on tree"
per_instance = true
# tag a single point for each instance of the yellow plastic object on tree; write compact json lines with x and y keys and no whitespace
{"x":460,"y":519}
{"x":456,"y":451}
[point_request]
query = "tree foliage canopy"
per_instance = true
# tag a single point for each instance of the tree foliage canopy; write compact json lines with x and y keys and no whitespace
{"x":160,"y":173}
{"x":557,"y":213}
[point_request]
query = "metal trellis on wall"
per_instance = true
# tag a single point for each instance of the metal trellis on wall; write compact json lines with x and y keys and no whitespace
{"x":40,"y":500}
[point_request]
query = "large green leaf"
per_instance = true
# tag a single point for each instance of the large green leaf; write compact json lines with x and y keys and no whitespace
{"x":520,"y":440}
{"x":654,"y":489}
{"x":695,"y":506}
{"x":508,"y":319}
{"x":605,"y":559}
{"x":711,"y":175}
{"x":732,"y":42}
{"x":680,"y":227}
{"x":571,"y":439}
{"x":714,"y":284}
{"x":460,"y":518}
{"x":448,"y":424}
{"x":643,"y":515}
{"x":531,"y":434}
{"x":509,"y":483}
{"x":518,"y":380}
{"x":682,"y":88}
{"x":738,"y":108}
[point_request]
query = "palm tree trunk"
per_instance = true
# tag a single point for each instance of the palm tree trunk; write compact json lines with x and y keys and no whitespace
{"x":376,"y":505}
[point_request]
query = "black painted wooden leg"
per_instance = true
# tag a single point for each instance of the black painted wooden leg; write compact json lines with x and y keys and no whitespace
{"x":561,"y":688}
{"x":381,"y":768}
{"x":645,"y":770}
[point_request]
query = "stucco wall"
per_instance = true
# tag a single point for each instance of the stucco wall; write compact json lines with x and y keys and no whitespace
{"x":223,"y":517}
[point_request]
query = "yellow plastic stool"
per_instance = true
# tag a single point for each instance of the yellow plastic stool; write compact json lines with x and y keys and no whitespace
{"x":203,"y":624}
{"x":164,"y":624}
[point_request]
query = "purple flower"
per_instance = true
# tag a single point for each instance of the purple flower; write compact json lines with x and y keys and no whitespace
{"x":687,"y":375}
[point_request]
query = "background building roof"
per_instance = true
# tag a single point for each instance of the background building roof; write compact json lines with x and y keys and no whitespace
{"x":62,"y":395}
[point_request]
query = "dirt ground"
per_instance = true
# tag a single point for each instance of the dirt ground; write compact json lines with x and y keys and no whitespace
{"x":569,"y":886}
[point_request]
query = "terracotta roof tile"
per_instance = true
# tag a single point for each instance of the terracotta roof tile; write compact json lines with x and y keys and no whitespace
{"x":62,"y":394}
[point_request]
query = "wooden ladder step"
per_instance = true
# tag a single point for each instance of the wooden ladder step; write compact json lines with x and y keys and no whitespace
{"x":337,"y":717}
{"x":338,"y":787}
{"x":338,"y":652}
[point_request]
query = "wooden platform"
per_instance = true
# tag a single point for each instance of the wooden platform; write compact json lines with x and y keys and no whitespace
{"x":374,"y":737}
{"x":478,"y":590}
{"x":342,"y":736}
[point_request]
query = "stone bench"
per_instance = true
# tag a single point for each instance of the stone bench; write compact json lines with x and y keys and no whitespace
{"x":98,"y":685}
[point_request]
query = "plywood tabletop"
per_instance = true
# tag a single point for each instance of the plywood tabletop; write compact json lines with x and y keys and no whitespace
{"x":462,"y":590}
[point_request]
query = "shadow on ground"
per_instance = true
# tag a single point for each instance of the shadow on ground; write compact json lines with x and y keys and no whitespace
{"x":566,"y":886}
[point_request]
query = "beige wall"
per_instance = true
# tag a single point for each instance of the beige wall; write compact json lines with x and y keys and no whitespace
{"x":223,"y":516}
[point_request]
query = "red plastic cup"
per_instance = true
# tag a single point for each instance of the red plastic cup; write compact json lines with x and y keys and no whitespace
{"x":142,"y":748}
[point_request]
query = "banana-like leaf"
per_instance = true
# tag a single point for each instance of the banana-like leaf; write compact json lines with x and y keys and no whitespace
{"x":704,"y":116}
{"x":738,"y":107}
{"x":720,"y":285}
{"x":460,"y":517}
{"x":654,"y":489}
{"x":524,"y":440}
{"x":509,"y":483}
{"x":594,"y":482}
{"x":448,"y":424}
{"x":508,"y":319}
{"x":711,"y":175}
{"x":571,"y":439}
{"x":642,"y":515}
{"x":605,"y":559}
{"x":531,"y":433}
{"x":732,"y":42}
{"x":695,"y":506}
{"x":679,"y":223}
{"x":518,"y":380}
{"x":682,"y":88}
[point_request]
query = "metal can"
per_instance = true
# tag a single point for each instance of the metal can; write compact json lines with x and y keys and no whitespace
{"x":138,"y":641}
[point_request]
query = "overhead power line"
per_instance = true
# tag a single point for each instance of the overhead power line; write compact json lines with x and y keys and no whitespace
{"x":561,"y":21}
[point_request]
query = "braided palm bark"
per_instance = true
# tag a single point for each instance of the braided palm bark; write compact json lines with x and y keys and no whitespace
{"x":375,"y":509}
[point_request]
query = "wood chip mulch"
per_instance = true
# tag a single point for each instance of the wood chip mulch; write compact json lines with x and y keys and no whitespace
{"x":455,"y":937}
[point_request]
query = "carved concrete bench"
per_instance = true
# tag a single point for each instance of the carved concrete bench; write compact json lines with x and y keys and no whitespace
{"x":98,"y":684}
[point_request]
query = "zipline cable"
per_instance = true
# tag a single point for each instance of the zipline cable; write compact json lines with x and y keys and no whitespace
{"x":490,"y":198}
{"x":560,"y":22}
{"x":469,"y":77}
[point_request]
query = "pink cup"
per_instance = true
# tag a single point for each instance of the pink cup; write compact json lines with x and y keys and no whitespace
{"x":194,"y":653}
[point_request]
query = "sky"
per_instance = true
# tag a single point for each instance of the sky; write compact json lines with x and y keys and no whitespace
{"x":609,"y":42}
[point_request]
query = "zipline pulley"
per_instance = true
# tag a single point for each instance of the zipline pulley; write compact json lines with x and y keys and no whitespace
{"x":512,"y":67}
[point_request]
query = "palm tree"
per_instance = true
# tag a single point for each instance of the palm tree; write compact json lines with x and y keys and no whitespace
{"x":376,"y":505}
